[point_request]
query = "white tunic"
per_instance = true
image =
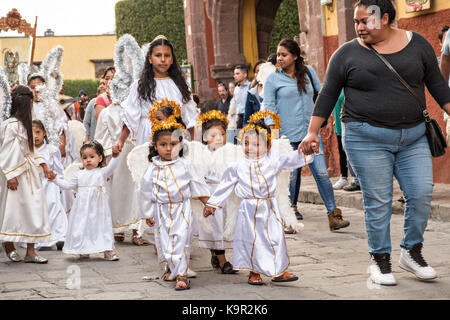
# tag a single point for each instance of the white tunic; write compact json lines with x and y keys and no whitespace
{"x":120,"y":188}
{"x":166,"y":189}
{"x":23,"y":213}
{"x":259,"y":244}
{"x":213,"y":238}
{"x":90,"y":224}
{"x":56,"y":211}
{"x":137,"y":110}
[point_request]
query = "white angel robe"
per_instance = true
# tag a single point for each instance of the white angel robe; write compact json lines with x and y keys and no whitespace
{"x":120,"y":188}
{"x":165,"y":192}
{"x":23,"y":212}
{"x":137,"y":110}
{"x":213,"y":237}
{"x":90,"y":224}
{"x":259,"y":244}
{"x":61,"y":126}
{"x":56,"y":211}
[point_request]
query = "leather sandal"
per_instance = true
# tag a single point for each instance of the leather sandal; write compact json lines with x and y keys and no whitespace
{"x":139,"y":241}
{"x":119,"y":237}
{"x":215,"y":261}
{"x":227,"y":268}
{"x":255,"y":279}
{"x":285,"y":277}
{"x":185,"y":281}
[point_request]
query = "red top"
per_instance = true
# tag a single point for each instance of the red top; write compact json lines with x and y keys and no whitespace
{"x":103,"y":100}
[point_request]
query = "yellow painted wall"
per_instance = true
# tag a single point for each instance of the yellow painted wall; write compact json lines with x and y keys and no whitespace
{"x":436,"y":5}
{"x":78,"y":51}
{"x":249,"y":33}
{"x":20,"y":45}
{"x":330,"y":20}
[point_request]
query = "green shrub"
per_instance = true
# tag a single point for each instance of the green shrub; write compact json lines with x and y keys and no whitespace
{"x":146,"y":19}
{"x":73,"y":87}
{"x":286,"y":24}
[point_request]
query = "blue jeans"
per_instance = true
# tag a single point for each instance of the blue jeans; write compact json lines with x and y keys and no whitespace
{"x":320,"y":173}
{"x":377,"y":155}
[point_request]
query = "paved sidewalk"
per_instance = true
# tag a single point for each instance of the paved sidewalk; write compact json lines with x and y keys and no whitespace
{"x":331,"y":265}
{"x":440,"y":203}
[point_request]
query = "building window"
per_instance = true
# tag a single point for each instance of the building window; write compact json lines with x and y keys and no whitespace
{"x":101,"y":65}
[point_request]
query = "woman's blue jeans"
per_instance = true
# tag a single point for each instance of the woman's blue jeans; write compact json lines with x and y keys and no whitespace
{"x":320,"y":173}
{"x":377,"y":155}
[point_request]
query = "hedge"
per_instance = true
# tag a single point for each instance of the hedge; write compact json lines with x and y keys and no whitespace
{"x":146,"y":19}
{"x":286,"y":23}
{"x":73,"y":87}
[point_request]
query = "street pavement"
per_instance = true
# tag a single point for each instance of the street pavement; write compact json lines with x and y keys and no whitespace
{"x":330,"y":265}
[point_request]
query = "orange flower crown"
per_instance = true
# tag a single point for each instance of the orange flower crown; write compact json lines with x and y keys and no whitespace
{"x":164,"y":103}
{"x":264,"y":114}
{"x":213,"y":114}
{"x":169,"y":124}
{"x":258,"y":116}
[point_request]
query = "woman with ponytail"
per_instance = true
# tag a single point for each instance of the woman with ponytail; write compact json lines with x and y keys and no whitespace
{"x":290,"y":92}
{"x":23,"y":206}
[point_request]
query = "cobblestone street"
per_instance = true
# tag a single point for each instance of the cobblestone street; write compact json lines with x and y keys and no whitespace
{"x":331,"y":265}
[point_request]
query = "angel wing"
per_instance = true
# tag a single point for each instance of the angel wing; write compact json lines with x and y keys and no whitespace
{"x":50,"y":71}
{"x":129,"y":62}
{"x":23,"y":70}
{"x":199,"y":156}
{"x":5,"y":96}
{"x":78,"y":131}
{"x":70,"y":171}
{"x":224,"y":156}
{"x":137,"y":161}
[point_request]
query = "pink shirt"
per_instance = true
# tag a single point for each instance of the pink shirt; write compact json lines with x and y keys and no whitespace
{"x":103,"y":100}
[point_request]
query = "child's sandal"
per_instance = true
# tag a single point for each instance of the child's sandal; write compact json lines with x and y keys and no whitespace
{"x":185,"y":281}
{"x":255,"y":279}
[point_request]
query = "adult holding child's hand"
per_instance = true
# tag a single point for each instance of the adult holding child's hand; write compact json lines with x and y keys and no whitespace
{"x":384,"y":128}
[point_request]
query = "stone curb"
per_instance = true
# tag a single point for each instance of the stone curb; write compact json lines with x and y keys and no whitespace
{"x":439,"y":212}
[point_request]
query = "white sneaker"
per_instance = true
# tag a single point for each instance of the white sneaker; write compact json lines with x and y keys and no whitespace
{"x":413,"y":261}
{"x":191,"y":273}
{"x":381,"y":271}
{"x":340,"y":184}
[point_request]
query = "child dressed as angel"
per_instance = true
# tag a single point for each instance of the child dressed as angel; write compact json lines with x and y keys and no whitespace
{"x":259,"y":244}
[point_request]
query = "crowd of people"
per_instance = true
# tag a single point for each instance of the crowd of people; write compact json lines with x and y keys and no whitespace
{"x":85,"y":198}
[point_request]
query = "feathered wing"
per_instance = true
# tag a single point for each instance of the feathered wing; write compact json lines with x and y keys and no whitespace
{"x":78,"y":131}
{"x":129,"y":62}
{"x":222,"y":158}
{"x":70,"y":171}
{"x":23,"y":70}
{"x":50,"y":70}
{"x":137,"y":161}
{"x":200,"y":158}
{"x":279,"y":147}
{"x":5,"y":96}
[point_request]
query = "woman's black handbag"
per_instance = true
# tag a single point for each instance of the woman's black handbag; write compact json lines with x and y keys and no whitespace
{"x":433,"y":132}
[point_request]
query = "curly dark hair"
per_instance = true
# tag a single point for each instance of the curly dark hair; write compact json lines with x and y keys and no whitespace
{"x":167,"y":111}
{"x":147,"y":83}
{"x":98,"y":148}
{"x":22,"y":98}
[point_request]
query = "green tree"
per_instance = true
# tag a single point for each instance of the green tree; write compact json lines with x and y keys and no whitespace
{"x":146,"y":19}
{"x":286,"y":23}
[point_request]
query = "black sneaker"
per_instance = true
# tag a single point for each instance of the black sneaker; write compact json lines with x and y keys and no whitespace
{"x":299,"y":215}
{"x":352,"y":187}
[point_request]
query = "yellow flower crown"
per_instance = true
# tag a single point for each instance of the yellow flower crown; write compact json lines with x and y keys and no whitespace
{"x":256,"y":128}
{"x":169,"y":124}
{"x":264,"y":114}
{"x":213,"y":114}
{"x":164,"y":103}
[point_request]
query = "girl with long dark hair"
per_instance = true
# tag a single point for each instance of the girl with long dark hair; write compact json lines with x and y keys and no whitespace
{"x":23,"y":206}
{"x":161,"y":78}
{"x":289,"y":92}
